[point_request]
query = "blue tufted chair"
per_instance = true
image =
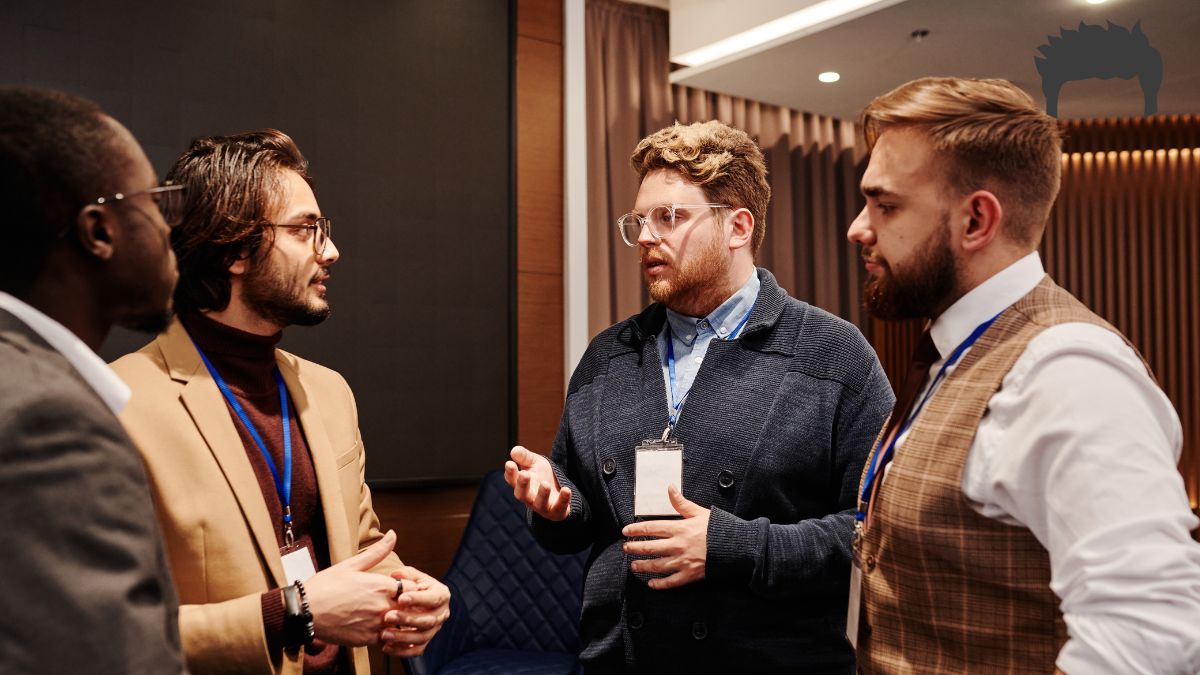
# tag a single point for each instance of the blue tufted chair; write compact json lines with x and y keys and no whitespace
{"x":514,"y":606}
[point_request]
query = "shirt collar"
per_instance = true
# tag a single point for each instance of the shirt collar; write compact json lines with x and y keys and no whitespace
{"x":111,"y":389}
{"x":724,"y":319}
{"x":985,"y":301}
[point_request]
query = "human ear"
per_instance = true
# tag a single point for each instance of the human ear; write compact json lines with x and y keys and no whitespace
{"x":95,"y":229}
{"x":983,"y":215}
{"x":743,"y":228}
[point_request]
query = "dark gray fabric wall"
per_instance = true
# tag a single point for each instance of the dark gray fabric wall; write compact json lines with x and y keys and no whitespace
{"x":403,"y":109}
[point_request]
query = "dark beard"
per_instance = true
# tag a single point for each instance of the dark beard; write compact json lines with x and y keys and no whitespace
{"x":699,"y":286}
{"x":920,"y":290}
{"x":270,"y":296}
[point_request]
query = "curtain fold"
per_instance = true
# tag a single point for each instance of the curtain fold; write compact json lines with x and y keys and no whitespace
{"x":813,"y":166}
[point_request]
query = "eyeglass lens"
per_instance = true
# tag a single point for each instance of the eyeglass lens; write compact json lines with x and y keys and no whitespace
{"x":660,"y":219}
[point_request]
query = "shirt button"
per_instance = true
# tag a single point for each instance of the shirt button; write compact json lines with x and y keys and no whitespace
{"x":699,"y":630}
{"x":699,"y":359}
{"x":609,"y":467}
{"x":725,"y":479}
{"x":636,"y":620}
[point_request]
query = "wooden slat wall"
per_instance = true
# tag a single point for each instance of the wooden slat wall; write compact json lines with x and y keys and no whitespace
{"x":1124,"y":237}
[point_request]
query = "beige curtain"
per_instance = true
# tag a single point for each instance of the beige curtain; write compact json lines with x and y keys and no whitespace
{"x":812,"y":164}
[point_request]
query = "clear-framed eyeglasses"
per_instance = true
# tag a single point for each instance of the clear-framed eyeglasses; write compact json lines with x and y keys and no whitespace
{"x":168,"y":197}
{"x":662,"y":220}
{"x":321,"y":228}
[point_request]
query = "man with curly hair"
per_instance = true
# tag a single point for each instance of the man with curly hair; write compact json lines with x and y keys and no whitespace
{"x":760,"y":407}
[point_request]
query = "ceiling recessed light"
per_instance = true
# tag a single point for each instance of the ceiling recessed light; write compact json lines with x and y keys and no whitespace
{"x":1096,"y":2}
{"x":829,"y":76}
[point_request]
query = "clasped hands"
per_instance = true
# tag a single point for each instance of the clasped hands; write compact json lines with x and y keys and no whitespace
{"x":353,"y":606}
{"x":677,"y":549}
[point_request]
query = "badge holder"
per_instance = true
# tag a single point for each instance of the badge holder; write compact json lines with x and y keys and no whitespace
{"x":659,"y":464}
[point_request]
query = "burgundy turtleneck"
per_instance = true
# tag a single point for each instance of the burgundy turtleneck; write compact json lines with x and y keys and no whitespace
{"x":247,"y":362}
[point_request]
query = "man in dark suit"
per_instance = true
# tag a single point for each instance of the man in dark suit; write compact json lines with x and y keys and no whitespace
{"x":85,"y":584}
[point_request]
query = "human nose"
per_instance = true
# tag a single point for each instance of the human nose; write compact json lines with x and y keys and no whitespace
{"x":860,"y":230}
{"x":330,"y":254}
{"x":646,"y":236}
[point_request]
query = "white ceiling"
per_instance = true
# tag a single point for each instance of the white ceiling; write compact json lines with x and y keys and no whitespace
{"x":970,"y":38}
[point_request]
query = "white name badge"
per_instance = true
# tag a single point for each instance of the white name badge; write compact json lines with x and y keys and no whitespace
{"x":854,"y":604}
{"x":659,"y":464}
{"x":298,"y":565}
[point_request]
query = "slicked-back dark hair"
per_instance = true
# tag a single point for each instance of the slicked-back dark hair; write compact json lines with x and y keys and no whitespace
{"x":234,"y":185}
{"x":57,"y":153}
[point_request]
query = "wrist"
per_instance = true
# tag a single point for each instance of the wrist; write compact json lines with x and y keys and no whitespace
{"x":297,"y":617}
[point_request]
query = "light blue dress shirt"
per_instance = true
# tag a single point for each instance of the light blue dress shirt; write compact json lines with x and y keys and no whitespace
{"x":690,"y":337}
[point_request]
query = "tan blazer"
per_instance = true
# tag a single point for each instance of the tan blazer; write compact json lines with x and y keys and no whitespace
{"x":219,"y":537}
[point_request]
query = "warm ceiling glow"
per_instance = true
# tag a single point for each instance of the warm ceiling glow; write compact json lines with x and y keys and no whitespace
{"x":829,"y":76}
{"x":1096,"y":2}
{"x":821,"y":15}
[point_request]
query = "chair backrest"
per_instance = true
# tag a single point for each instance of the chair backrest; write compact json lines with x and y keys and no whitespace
{"x":515,"y":594}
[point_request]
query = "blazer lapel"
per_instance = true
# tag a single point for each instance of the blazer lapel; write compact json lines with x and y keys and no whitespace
{"x":323,"y":459}
{"x":210,"y":413}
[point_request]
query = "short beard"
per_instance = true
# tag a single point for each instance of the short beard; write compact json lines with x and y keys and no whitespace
{"x":699,"y":285}
{"x":920,"y":289}
{"x":269,"y":294}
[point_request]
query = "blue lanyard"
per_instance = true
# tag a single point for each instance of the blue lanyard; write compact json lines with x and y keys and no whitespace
{"x":283,"y":486}
{"x":881,"y":459}
{"x":676,"y":406}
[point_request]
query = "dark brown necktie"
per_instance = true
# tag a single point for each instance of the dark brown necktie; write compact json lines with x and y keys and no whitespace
{"x":924,"y":355}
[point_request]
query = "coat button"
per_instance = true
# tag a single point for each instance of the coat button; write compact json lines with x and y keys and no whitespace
{"x":609,"y":467}
{"x":636,"y":620}
{"x":725,"y":479}
{"x":699,"y":630}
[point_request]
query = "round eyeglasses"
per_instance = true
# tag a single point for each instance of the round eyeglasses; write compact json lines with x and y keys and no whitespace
{"x":662,"y":220}
{"x":322,"y":229}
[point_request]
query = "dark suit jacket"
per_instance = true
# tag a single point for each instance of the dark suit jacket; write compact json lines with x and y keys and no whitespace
{"x":775,"y":432}
{"x":84,"y":585}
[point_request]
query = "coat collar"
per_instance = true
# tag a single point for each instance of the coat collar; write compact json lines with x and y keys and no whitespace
{"x":210,"y":413}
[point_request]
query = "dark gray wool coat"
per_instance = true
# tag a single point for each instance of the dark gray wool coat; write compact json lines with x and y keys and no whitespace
{"x":775,"y":433}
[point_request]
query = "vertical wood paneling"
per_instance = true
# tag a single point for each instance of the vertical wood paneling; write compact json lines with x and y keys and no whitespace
{"x":1124,"y":237}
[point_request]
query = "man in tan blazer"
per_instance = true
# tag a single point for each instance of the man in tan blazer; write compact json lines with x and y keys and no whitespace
{"x":254,"y":454}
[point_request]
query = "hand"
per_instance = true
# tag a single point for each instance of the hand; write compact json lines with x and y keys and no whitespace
{"x":534,"y":485}
{"x":682,"y":546}
{"x":348,"y":603}
{"x":424,"y":607}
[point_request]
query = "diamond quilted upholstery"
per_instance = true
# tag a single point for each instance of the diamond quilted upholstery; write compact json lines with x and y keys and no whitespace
{"x":511,"y":662}
{"x":515,"y":606}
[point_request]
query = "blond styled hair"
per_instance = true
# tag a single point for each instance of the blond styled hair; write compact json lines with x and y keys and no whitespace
{"x":994,"y":136}
{"x":723,"y":161}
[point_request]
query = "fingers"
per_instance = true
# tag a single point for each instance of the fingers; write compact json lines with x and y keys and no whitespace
{"x":656,"y":565}
{"x":414,"y":620}
{"x":372,"y":555}
{"x":655,"y":548}
{"x":560,"y":505}
{"x":652,"y":528}
{"x":523,"y":457}
{"x":429,"y":599}
{"x":681,"y":504}
{"x":676,"y":580}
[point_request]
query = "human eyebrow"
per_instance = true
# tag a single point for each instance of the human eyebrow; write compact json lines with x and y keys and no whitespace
{"x":876,"y":192}
{"x":304,"y":216}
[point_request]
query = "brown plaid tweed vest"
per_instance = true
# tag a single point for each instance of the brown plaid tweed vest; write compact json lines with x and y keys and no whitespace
{"x":946,"y":590}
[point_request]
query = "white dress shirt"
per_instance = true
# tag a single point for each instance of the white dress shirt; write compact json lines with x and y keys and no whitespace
{"x":111,"y":389}
{"x":1081,"y":447}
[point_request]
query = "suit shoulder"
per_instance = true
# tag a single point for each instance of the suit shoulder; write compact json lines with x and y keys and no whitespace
{"x":315,"y":371}
{"x":594,"y":361}
{"x":829,"y":347}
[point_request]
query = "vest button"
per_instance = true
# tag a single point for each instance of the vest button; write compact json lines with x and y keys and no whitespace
{"x":636,"y":620}
{"x":870,"y":563}
{"x":609,"y":467}
{"x":725,"y":479}
{"x":699,"y":630}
